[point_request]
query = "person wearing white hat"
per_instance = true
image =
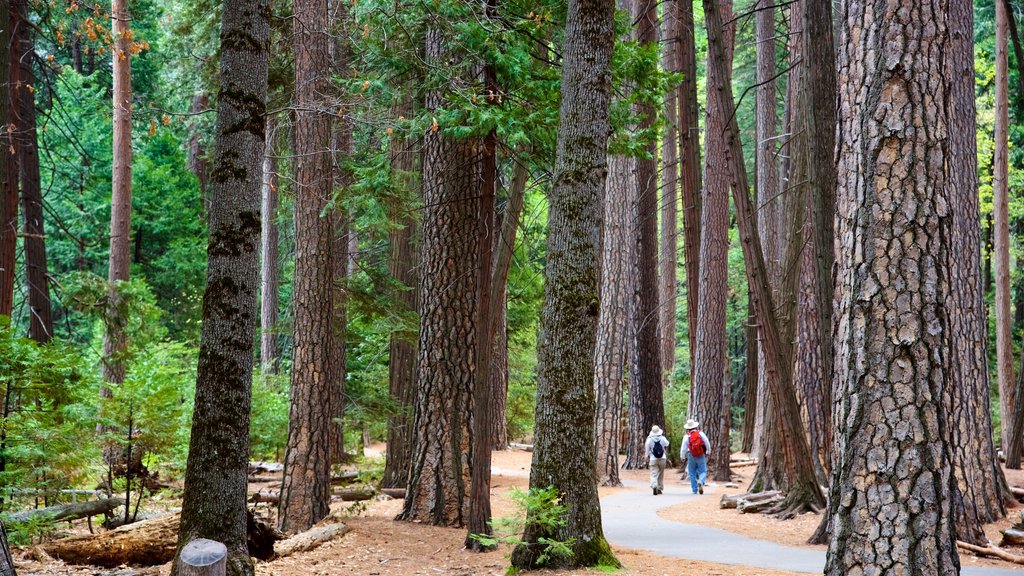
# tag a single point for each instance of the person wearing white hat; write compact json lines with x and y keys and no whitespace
{"x":694,"y":451}
{"x":656,"y":449}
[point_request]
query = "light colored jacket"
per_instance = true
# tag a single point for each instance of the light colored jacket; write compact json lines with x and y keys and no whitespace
{"x":684,"y":450}
{"x":649,"y":446}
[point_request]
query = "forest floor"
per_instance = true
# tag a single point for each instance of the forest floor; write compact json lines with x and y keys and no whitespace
{"x":379,"y":546}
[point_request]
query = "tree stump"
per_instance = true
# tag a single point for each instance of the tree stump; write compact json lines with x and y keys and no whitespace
{"x":203,"y":557}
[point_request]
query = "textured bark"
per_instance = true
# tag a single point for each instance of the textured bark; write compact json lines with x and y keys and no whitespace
{"x":892,"y":474}
{"x":669,"y":202}
{"x":706,"y":392}
{"x":689,"y":169}
{"x":305,"y":488}
{"x":499,"y":378}
{"x":27,"y":150}
{"x":809,"y":374}
{"x":1000,"y":209}
{"x":8,"y":171}
{"x":565,"y":349}
{"x":216,"y":476}
{"x":750,"y":404}
{"x":612,"y":330}
{"x":439,"y":474}
{"x":6,"y":561}
{"x":270,"y":269}
{"x":802,"y":491}
{"x":647,"y":406}
{"x":402,"y":352}
{"x":197,"y":161}
{"x":977,"y":498}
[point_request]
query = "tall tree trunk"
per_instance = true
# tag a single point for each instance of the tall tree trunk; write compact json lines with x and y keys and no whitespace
{"x":802,"y":491}
{"x":23,"y":80}
{"x":809,"y":375}
{"x":566,"y":344}
{"x":270,"y":270}
{"x":750,"y":404}
{"x":499,"y":378}
{"x":612,"y":329}
{"x":439,"y":474}
{"x":8,"y":170}
{"x":214,"y":503}
{"x":1000,"y":209}
{"x":892,"y":474}
{"x":706,"y":390}
{"x":977,"y":498}
{"x":669,"y":255}
{"x":305,"y":488}
{"x":647,"y":397}
{"x":402,"y":267}
{"x":690,"y":170}
{"x":197,"y":161}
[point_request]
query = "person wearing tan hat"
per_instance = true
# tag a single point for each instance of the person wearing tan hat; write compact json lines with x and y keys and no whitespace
{"x":694,"y":451}
{"x":656,"y":449}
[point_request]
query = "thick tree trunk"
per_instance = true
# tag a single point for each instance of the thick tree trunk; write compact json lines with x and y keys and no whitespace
{"x":706,"y":392}
{"x":402,"y":267}
{"x":750,"y":404}
{"x":809,"y":374}
{"x":270,"y":270}
{"x":690,"y":169}
{"x":305,"y":489}
{"x":612,"y":329}
{"x":216,"y":476}
{"x":1000,"y":209}
{"x":439,"y":476}
{"x":6,"y":562}
{"x":977,"y":498}
{"x":565,"y":388}
{"x":27,"y":150}
{"x":892,"y":475}
{"x":8,"y":170}
{"x":669,"y":202}
{"x":803,"y":491}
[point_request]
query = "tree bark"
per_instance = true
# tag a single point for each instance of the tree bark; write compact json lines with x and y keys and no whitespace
{"x":213,"y":504}
{"x":6,"y":562}
{"x":892,"y":475}
{"x":565,"y":351}
{"x":977,"y":498}
{"x":305,"y":489}
{"x":8,"y":170}
{"x":750,"y":404}
{"x":706,"y":392}
{"x":802,"y":490}
{"x":612,"y":331}
{"x":690,"y":170}
{"x":1000,"y":209}
{"x":270,"y":270}
{"x":439,"y":474}
{"x":197,"y":161}
{"x":669,"y":202}
{"x":27,"y":145}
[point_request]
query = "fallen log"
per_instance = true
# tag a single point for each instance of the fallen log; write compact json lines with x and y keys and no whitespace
{"x":991,"y":551}
{"x":523,"y":447}
{"x":68,"y":511}
{"x":1017,"y":491}
{"x":734,"y":500}
{"x":310,"y":539}
{"x":146,"y":543}
{"x":345,"y":478}
{"x":357,"y":494}
{"x":394,"y":492}
{"x":265,"y":467}
{"x":1012,"y":537}
{"x":268,"y":496}
{"x":747,"y":507}
{"x":742,"y":464}
{"x":261,"y":479}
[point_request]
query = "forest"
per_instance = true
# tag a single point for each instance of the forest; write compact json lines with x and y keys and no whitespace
{"x":405,"y":287}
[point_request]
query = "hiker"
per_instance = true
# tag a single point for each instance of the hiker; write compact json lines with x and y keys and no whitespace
{"x":656,"y":449}
{"x":694,"y":451}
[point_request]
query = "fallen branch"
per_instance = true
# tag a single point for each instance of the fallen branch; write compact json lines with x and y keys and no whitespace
{"x":734,"y":500}
{"x":345,"y":478}
{"x":265,"y":467}
{"x":266,"y":495}
{"x":1012,"y":537}
{"x":991,"y":551}
{"x":310,"y":539}
{"x":357,"y":494}
{"x":68,"y":511}
{"x":398,"y":493}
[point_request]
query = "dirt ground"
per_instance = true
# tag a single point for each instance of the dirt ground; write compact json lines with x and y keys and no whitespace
{"x":379,"y":546}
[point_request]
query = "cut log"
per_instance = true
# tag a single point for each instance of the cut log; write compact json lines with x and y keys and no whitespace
{"x":146,"y":543}
{"x":991,"y":551}
{"x":1017,"y":491}
{"x":310,"y":539}
{"x":203,"y":557}
{"x":269,"y":496}
{"x":750,"y":503}
{"x":746,"y":507}
{"x":1012,"y":537}
{"x":394,"y":492}
{"x":357,"y":494}
{"x":68,"y":511}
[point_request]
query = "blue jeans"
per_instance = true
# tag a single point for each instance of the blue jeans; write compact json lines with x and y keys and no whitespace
{"x":697,"y":468}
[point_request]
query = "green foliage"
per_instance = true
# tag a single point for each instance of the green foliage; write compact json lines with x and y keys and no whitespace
{"x":268,"y":420}
{"x":539,"y":507}
{"x":29,"y":532}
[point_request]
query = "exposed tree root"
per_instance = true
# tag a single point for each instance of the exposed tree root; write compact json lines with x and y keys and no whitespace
{"x":991,"y":551}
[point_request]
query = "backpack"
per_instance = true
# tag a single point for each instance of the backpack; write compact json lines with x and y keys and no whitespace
{"x":697,"y":447}
{"x":657,"y":450}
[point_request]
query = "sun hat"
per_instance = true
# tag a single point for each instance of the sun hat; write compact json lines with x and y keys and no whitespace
{"x":691,"y":424}
{"x":656,"y":431}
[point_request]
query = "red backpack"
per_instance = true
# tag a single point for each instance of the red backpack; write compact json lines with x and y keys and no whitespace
{"x":697,"y":447}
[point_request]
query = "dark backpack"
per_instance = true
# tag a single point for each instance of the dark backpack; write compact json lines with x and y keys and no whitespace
{"x":697,"y":447}
{"x":657,"y":450}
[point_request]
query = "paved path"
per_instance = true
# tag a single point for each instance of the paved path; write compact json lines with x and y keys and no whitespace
{"x":631,"y":520}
